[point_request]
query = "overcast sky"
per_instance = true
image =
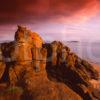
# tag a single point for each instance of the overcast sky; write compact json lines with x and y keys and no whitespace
{"x":52,"y":19}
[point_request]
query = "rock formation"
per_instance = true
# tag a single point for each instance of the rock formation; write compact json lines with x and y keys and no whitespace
{"x":2,"y":64}
{"x":45,"y":71}
{"x":24,"y":35}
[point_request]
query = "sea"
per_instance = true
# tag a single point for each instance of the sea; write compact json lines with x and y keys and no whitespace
{"x":86,"y":50}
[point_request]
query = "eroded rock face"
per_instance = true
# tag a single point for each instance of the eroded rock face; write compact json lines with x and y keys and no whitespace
{"x":48,"y":71}
{"x":1,"y":56}
{"x":73,"y":70}
{"x":25,"y":35}
{"x":39,"y":57}
{"x":57,"y":52}
{"x":22,"y":52}
{"x":25,"y":41}
{"x":54,"y":46}
{"x":2,"y":64}
{"x":43,"y":60}
{"x":37,"y":40}
{"x":36,"y":58}
{"x":2,"y":69}
{"x":92,"y":73}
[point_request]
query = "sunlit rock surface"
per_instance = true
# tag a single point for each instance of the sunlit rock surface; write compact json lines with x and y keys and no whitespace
{"x":44,"y":71}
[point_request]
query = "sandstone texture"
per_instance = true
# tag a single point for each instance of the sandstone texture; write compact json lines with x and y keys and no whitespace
{"x":43,"y":71}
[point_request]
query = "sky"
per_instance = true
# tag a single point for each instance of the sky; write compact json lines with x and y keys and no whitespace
{"x":62,"y":20}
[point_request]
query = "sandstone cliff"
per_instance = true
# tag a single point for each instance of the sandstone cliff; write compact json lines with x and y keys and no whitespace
{"x":43,"y":71}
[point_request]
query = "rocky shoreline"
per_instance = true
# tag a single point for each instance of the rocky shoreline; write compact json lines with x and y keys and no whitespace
{"x":44,"y":71}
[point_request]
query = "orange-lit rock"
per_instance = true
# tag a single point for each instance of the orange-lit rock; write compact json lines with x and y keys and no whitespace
{"x":43,"y":60}
{"x":25,"y":35}
{"x":22,"y":52}
{"x":54,"y":46}
{"x":36,"y":58}
{"x":1,"y":56}
{"x":2,"y":64}
{"x":25,"y":41}
{"x":37,"y":40}
{"x":45,"y":72}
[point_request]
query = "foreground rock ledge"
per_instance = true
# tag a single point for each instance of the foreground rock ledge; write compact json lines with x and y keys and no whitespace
{"x":43,"y":71}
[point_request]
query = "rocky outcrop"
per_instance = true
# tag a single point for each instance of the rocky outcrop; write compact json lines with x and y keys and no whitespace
{"x":71,"y":70}
{"x":45,"y":70}
{"x":25,"y":35}
{"x":39,"y":57}
{"x":2,"y":64}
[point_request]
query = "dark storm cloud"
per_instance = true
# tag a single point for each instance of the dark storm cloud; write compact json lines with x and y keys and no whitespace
{"x":12,"y":11}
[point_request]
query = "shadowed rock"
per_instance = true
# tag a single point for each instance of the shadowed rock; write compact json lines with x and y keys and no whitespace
{"x":2,"y":64}
{"x":46,"y":71}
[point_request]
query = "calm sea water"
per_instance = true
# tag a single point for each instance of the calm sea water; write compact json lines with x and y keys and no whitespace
{"x":86,"y":50}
